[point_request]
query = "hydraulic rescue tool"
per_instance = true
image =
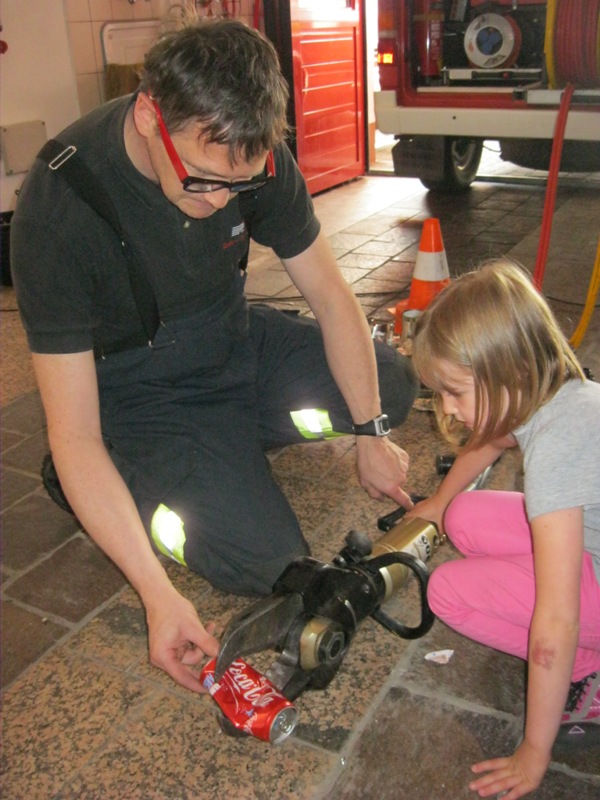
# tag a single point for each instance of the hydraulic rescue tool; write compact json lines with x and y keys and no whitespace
{"x":315,"y":609}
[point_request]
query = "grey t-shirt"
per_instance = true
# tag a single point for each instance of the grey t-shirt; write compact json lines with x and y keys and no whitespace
{"x":561,"y":457}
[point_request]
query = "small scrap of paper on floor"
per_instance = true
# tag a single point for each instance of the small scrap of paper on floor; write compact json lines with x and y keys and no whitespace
{"x":440,"y":656}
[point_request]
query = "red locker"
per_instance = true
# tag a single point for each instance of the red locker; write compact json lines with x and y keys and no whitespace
{"x":320,"y":45}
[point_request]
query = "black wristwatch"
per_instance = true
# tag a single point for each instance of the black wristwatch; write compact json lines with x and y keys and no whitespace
{"x":379,"y":426}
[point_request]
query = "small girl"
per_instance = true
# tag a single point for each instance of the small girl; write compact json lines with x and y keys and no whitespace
{"x":529,"y":584}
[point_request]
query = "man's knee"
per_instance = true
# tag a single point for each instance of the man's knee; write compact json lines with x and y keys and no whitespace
{"x":398,"y":383}
{"x":247,"y":578}
{"x":244,"y":560}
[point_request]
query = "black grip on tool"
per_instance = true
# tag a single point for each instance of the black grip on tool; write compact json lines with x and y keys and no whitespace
{"x":422,"y":574}
{"x":444,"y":462}
{"x":387,"y":522}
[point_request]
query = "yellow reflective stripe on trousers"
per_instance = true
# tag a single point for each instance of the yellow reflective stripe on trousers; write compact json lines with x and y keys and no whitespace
{"x":314,"y":423}
{"x":168,"y":533}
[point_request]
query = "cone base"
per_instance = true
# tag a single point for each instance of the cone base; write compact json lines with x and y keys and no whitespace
{"x":423,"y":292}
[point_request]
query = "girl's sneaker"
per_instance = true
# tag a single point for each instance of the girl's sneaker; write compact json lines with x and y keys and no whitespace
{"x":581,"y":717}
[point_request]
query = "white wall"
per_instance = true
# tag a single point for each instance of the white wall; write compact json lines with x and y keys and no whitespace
{"x":372,"y":77}
{"x":86,"y":18}
{"x":36,"y":74}
{"x":53,"y":69}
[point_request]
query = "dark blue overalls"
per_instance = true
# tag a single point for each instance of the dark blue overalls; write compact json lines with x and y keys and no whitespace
{"x":187,"y":422}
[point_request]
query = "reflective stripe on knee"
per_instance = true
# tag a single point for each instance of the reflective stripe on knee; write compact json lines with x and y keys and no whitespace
{"x":168,"y":533}
{"x":314,"y":423}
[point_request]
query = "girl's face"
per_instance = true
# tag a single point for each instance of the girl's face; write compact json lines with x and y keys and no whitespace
{"x":457,"y":390}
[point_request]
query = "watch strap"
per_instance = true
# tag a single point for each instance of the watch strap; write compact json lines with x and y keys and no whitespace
{"x":378,"y":426}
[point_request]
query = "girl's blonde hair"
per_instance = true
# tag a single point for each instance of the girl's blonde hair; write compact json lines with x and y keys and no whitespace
{"x":494,"y":323}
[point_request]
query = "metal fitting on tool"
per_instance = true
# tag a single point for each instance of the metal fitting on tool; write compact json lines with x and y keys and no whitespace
{"x":321,"y":642}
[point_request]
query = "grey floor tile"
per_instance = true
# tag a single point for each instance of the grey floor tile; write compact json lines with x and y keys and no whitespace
{"x":24,"y":415}
{"x":25,"y":637}
{"x":32,"y":528}
{"x":14,"y":485}
{"x":70,"y":583}
{"x":474,"y":673}
{"x":419,"y":748}
{"x":10,"y":439}
{"x":29,"y":453}
{"x":363,"y":261}
{"x":348,"y":241}
{"x":57,"y":718}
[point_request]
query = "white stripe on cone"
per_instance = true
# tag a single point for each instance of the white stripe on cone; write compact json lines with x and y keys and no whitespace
{"x":431,"y":266}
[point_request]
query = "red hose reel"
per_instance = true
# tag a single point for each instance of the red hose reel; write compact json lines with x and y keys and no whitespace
{"x":577,"y":42}
{"x":575,"y":38}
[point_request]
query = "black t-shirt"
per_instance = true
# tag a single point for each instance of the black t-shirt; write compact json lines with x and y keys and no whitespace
{"x":70,"y":274}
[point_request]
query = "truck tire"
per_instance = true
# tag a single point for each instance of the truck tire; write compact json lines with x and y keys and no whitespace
{"x":461,"y":162}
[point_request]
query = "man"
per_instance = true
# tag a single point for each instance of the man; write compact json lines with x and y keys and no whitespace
{"x":160,"y":446}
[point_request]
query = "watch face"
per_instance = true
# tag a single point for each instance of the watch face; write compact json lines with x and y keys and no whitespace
{"x":382,"y":425}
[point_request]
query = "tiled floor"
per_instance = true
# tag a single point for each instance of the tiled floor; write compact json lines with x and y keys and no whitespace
{"x":86,"y":716}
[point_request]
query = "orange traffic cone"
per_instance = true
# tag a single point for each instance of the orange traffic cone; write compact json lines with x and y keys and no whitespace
{"x":430,"y":275}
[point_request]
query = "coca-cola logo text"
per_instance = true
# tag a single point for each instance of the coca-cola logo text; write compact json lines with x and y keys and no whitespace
{"x":258,"y":694}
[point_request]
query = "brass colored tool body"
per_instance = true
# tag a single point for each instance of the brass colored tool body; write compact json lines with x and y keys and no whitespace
{"x":419,"y":537}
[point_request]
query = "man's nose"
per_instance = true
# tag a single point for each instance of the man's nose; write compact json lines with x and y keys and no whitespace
{"x":219,"y":198}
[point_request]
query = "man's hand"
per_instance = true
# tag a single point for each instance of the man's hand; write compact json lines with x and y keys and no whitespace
{"x":516,"y":776}
{"x":178,"y":640}
{"x":382,"y":469}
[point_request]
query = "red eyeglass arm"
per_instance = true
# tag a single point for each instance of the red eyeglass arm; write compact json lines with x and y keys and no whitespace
{"x":176,"y":161}
{"x":169,"y":146}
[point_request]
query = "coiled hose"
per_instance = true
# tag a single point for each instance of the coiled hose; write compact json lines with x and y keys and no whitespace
{"x":572,"y":49}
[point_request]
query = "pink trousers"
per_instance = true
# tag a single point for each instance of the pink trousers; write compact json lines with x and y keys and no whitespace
{"x":489,"y":595}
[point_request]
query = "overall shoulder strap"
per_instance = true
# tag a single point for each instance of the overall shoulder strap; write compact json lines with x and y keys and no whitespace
{"x":66,"y":161}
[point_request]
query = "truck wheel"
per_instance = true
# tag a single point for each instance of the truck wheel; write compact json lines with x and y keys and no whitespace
{"x":461,"y":162}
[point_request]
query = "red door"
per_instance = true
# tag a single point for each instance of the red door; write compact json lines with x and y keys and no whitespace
{"x":327,"y":65}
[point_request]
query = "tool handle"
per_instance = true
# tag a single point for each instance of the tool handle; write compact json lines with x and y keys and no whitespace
{"x":422,"y":574}
{"x":387,"y":522}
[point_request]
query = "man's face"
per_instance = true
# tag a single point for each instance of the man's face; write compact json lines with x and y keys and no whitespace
{"x":199,"y":158}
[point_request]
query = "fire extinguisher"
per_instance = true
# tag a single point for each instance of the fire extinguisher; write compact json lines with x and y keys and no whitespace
{"x":428,"y":28}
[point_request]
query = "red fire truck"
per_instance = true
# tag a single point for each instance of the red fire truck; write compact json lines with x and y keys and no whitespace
{"x":454,"y":73}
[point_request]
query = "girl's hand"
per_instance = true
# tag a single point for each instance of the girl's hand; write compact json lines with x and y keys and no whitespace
{"x":516,"y":775}
{"x":431,"y":509}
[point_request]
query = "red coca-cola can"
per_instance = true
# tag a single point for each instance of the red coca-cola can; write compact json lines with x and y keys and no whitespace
{"x":250,"y":701}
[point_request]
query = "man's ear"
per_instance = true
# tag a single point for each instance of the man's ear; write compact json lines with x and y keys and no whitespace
{"x":144,"y":115}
